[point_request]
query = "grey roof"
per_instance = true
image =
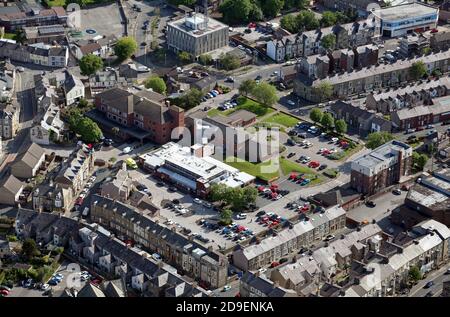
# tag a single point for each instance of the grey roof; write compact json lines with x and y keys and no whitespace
{"x":264,"y":285}
{"x":11,"y":184}
{"x":407,"y":113}
{"x":90,"y":290}
{"x":31,"y":155}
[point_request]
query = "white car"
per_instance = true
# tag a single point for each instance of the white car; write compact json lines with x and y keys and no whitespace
{"x":291,"y":102}
{"x":198,"y":201}
{"x":241,"y":216}
{"x":127,"y":150}
{"x":262,"y":270}
{"x":169,"y":222}
{"x":334,"y":139}
{"x":45,"y":287}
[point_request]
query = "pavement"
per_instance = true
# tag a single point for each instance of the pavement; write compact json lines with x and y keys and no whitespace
{"x":437,"y":276}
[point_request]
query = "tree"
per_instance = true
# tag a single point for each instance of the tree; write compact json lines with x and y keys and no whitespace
{"x":418,"y":70}
{"x":414,"y":274}
{"x":307,"y":20}
{"x":376,"y":139}
{"x":188,"y":3}
{"x":191,"y":99}
{"x":266,"y":94}
{"x":90,"y":64}
{"x":341,"y":17}
{"x":271,"y":8}
{"x":29,"y":249}
{"x":329,"y":18}
{"x":426,"y":50}
{"x":229,"y":62}
{"x":289,"y":22}
{"x":297,"y":4}
{"x":20,"y":36}
{"x":184,"y":57}
{"x":328,"y":41}
{"x":218,"y":192}
{"x":316,"y":115}
{"x":247,"y":87}
{"x":236,"y":11}
{"x":85,"y":127}
{"x":341,"y":126}
{"x":157,"y":84}
{"x":205,"y":59}
{"x":83,"y":103}
{"x":327,"y":120}
{"x":226,"y":217}
{"x":419,"y":161}
{"x":125,"y":47}
{"x":324,"y":90}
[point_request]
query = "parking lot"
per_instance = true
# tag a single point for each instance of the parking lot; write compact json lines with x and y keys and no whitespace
{"x":104,"y":20}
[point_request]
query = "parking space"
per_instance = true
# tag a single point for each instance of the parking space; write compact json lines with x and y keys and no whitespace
{"x":103,"y":20}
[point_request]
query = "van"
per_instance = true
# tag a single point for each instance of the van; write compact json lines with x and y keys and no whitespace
{"x":85,"y":212}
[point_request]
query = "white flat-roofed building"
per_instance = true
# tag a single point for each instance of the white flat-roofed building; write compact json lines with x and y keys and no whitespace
{"x":192,"y":168}
{"x":407,"y":18}
{"x":196,"y":34}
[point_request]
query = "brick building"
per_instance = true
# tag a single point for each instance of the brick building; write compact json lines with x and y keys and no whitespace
{"x":381,"y":168}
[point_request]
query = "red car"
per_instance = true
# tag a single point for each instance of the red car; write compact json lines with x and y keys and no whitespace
{"x":261,"y":188}
{"x":4,"y":292}
{"x":326,"y":152}
{"x":304,"y":208}
{"x":274,"y":264}
{"x":434,"y":30}
{"x":293,"y":176}
{"x":79,"y":201}
{"x":313,"y":164}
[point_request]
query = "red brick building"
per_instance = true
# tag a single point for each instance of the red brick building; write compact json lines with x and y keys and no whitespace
{"x":139,"y":115}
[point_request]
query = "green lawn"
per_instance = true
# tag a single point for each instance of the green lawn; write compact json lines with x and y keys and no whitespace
{"x":255,"y":169}
{"x":253,"y":106}
{"x":288,"y":167}
{"x":282,"y":119}
{"x":56,"y":3}
{"x":9,"y":36}
{"x":214,"y":112}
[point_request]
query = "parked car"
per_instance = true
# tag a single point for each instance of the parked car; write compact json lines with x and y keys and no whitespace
{"x":329,"y":237}
{"x":274,"y":264}
{"x":198,"y":201}
{"x":397,"y":191}
{"x":371,"y":203}
{"x":241,"y":216}
{"x":127,"y":149}
{"x":429,"y":284}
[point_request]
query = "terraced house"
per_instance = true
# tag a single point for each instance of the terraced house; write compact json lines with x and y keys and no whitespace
{"x":203,"y":264}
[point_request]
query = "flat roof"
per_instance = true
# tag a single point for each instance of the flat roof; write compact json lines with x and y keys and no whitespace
{"x":194,"y":25}
{"x":405,"y":11}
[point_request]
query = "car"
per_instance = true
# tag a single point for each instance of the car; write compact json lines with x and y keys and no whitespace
{"x":226,"y":288}
{"x":45,"y":287}
{"x":6,"y":288}
{"x":27,"y":283}
{"x":262,"y":270}
{"x":127,"y":150}
{"x":329,"y":238}
{"x":260,"y":213}
{"x":131,"y":163}
{"x":259,"y":77}
{"x":429,"y":294}
{"x":334,"y":140}
{"x":107,"y":142}
{"x":172,"y":189}
{"x":410,"y":130}
{"x":229,"y":80}
{"x":447,"y":272}
{"x":313,"y":164}
{"x":322,"y":167}
{"x":54,"y":282}
{"x":274,"y":264}
{"x":397,"y":191}
{"x":371,"y":203}
{"x":4,"y":292}
{"x":291,"y":102}
{"x":207,"y":204}
{"x":429,"y":284}
{"x":241,"y":216}
{"x":247,"y":31}
{"x":198,"y":201}
{"x":290,"y":155}
{"x":283,"y":260}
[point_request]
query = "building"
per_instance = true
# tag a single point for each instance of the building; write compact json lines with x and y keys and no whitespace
{"x":407,"y":18}
{"x":192,"y":168}
{"x":360,"y":120}
{"x":254,"y":285}
{"x":415,"y":94}
{"x":297,"y":236}
{"x":357,"y":6}
{"x":50,"y":129}
{"x":120,"y":187}
{"x":315,"y":66}
{"x":29,"y":162}
{"x":413,"y":44}
{"x":408,"y":118}
{"x":9,"y":120}
{"x":137,"y":114}
{"x":309,"y":43}
{"x":200,"y":263}
{"x":7,"y":82}
{"x":48,"y":198}
{"x":430,"y":196}
{"x":47,"y":34}
{"x":127,"y":268}
{"x":369,"y":79}
{"x":196,"y":34}
{"x":104,"y":80}
{"x":381,"y":168}
{"x":440,"y":109}
{"x":73,"y":89}
{"x":33,"y":17}
{"x":10,"y":190}
{"x":441,"y":40}
{"x":74,"y":173}
{"x":102,"y":46}
{"x":52,"y":56}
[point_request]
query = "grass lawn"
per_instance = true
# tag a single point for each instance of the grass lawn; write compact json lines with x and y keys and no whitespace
{"x":288,"y":167}
{"x":255,"y":169}
{"x":253,"y":106}
{"x":56,"y":3}
{"x":214,"y":112}
{"x":282,"y":119}
{"x":9,"y":36}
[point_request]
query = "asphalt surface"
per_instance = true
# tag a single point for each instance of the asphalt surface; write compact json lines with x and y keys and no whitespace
{"x":438,"y":277}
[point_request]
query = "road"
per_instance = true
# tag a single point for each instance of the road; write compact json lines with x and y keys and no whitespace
{"x":437,"y":277}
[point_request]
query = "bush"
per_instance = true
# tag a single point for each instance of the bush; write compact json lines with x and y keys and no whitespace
{"x":331,"y":173}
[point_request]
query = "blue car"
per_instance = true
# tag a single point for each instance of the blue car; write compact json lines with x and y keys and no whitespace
{"x":213,"y":93}
{"x":53,"y":282}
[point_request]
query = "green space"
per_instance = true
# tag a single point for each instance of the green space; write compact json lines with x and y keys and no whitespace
{"x":9,"y":36}
{"x":282,"y":119}
{"x":214,"y":112}
{"x":331,"y":172}
{"x":253,"y":106}
{"x":55,"y":3}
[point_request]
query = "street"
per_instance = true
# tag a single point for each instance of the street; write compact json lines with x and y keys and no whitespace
{"x":437,"y":277}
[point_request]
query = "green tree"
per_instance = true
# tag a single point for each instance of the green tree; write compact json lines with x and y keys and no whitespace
{"x":419,"y":161}
{"x":188,"y":3}
{"x":184,"y":57}
{"x":418,"y":70}
{"x":191,"y":99}
{"x":414,"y":274}
{"x":20,"y":36}
{"x":226,"y":217}
{"x":297,"y":4}
{"x":426,"y":50}
{"x":323,"y":91}
{"x":218,"y":192}
{"x":316,"y":115}
{"x":157,"y":84}
{"x":306,"y":20}
{"x":327,"y":120}
{"x":329,"y":18}
{"x":289,"y":22}
{"x":90,"y":64}
{"x":229,"y":62}
{"x":266,"y":94}
{"x":328,"y":41}
{"x":85,"y":127}
{"x":236,"y":11}
{"x":83,"y":103}
{"x":341,"y":17}
{"x":125,"y":47}
{"x":376,"y":139}
{"x":29,"y":249}
{"x":271,"y":8}
{"x":247,"y":87}
{"x":205,"y":59}
{"x":341,"y":126}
